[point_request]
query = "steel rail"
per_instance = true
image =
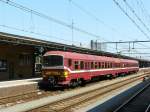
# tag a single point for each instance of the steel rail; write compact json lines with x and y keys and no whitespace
{"x":25,"y":97}
{"x":21,"y":96}
{"x":148,"y":108}
{"x":99,"y":88}
{"x":94,"y":96}
{"x":2,"y":99}
{"x":31,"y":94}
{"x":101,"y":91}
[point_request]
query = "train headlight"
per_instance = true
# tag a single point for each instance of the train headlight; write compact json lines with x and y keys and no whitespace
{"x":66,"y":74}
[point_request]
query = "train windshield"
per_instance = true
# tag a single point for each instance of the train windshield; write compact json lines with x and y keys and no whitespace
{"x":52,"y":60}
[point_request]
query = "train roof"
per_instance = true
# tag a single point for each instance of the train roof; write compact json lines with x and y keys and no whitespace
{"x":80,"y":56}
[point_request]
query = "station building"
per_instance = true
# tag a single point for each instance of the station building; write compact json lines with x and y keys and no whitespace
{"x":16,"y":61}
{"x":20,"y":54}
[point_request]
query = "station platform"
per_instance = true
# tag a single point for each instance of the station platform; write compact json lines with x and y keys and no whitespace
{"x":114,"y":100}
{"x":10,"y":88}
{"x":15,"y":87}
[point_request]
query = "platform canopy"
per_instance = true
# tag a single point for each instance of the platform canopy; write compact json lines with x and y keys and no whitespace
{"x":48,"y":45}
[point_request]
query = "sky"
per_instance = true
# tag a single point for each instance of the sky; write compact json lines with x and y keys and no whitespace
{"x":99,"y":17}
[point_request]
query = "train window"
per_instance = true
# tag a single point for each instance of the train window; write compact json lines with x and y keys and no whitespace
{"x":96,"y":65}
{"x":88,"y":65}
{"x":118,"y":65}
{"x":103,"y":64}
{"x":99,"y":64}
{"x":92,"y":65}
{"x":76,"y":65}
{"x":115,"y":65}
{"x":69,"y":62}
{"x":110,"y":65}
{"x":107,"y":65}
{"x":81,"y":65}
{"x":52,"y":60}
{"x":125,"y":65}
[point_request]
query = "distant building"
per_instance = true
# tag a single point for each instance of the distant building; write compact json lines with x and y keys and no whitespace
{"x":95,"y":45}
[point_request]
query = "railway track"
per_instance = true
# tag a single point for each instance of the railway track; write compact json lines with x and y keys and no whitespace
{"x":26,"y":97}
{"x":29,"y":96}
{"x":65,"y":105}
{"x":139,"y":102}
{"x":32,"y":95}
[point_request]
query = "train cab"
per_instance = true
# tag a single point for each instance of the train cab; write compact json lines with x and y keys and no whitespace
{"x":53,"y":69}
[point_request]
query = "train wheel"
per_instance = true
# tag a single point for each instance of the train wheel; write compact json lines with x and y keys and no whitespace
{"x":82,"y":82}
{"x":79,"y":82}
{"x":110,"y":76}
{"x":123,"y":74}
{"x":73,"y":83}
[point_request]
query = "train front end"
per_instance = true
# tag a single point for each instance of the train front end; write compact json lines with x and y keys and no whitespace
{"x":53,"y":70}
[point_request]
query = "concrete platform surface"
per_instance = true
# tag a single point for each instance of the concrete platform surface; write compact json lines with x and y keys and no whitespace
{"x":112,"y":101}
{"x":10,"y":88}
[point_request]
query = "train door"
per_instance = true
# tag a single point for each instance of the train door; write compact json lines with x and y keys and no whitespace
{"x":11,"y":70}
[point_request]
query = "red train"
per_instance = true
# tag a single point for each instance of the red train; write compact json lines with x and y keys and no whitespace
{"x":69,"y":68}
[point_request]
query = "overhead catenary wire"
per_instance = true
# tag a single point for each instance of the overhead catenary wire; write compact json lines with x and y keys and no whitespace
{"x":87,"y":12}
{"x":41,"y":34}
{"x":93,"y":16}
{"x":144,"y":10}
{"x":131,"y":19}
{"x":23,"y":8}
{"x":136,"y":15}
{"x":49,"y":18}
{"x":36,"y":33}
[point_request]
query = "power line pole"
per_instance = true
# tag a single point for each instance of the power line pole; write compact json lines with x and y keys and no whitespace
{"x":72,"y":31}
